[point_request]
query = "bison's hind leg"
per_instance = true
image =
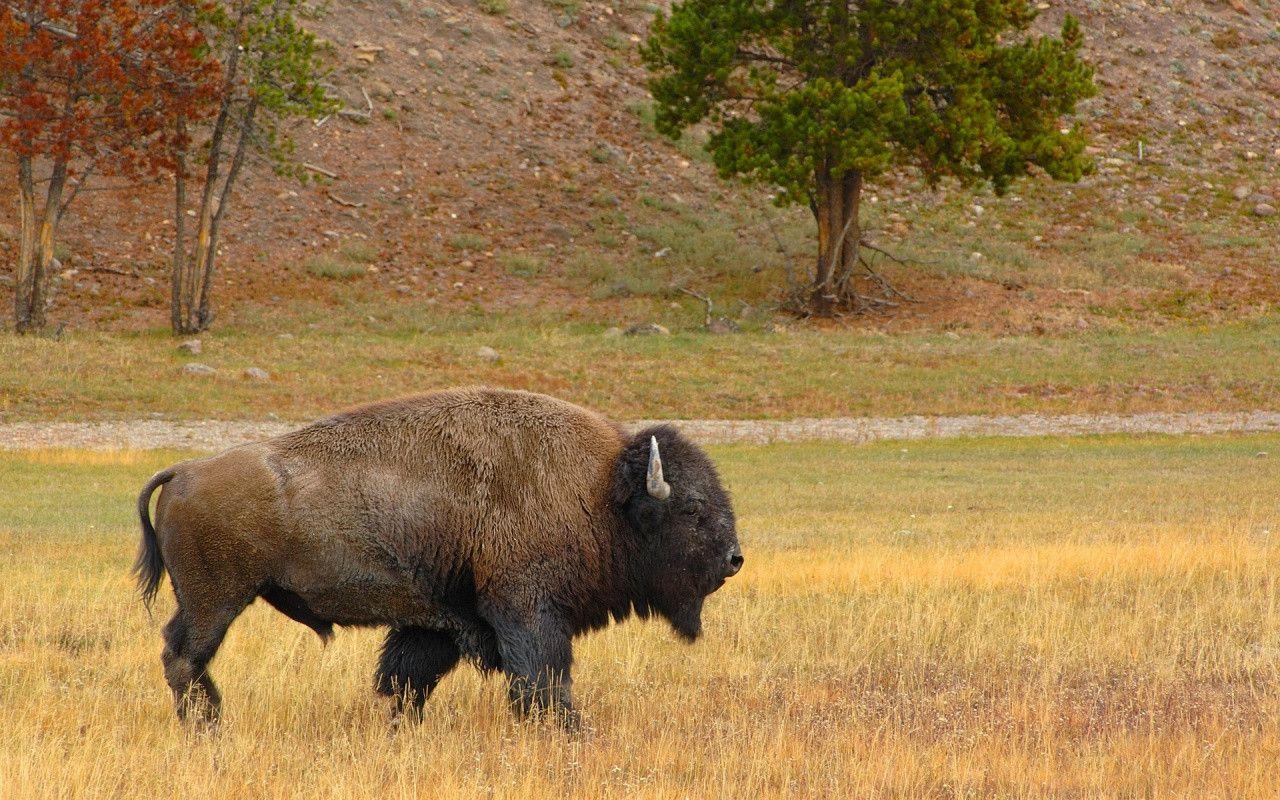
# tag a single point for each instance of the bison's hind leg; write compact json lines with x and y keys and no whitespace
{"x":412,"y":662}
{"x":190,"y":642}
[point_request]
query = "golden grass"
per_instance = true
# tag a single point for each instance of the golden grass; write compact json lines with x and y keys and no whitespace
{"x":1050,"y":618}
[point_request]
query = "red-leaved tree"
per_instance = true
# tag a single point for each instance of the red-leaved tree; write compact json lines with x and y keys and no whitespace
{"x":91,"y":87}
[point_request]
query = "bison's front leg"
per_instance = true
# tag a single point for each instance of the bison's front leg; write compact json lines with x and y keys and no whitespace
{"x":536,"y":656}
{"x":412,"y":662}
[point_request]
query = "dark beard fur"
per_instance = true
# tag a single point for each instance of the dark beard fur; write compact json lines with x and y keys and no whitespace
{"x":686,"y":620}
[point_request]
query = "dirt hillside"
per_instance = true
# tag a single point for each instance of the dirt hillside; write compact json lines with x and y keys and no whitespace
{"x":491,"y":153}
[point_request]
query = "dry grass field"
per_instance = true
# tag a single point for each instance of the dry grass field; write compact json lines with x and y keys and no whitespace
{"x":1080,"y":618}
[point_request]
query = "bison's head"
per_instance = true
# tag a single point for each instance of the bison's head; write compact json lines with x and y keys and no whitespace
{"x":685,"y":538}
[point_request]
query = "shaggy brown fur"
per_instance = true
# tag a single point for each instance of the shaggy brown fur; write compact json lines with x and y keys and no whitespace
{"x":476,"y":522}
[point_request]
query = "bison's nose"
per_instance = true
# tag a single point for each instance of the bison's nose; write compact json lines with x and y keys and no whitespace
{"x":735,"y":562}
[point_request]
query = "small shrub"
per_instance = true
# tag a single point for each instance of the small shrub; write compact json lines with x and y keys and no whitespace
{"x":659,"y":203}
{"x":469,"y":241}
{"x":521,"y":265}
{"x":602,"y":154}
{"x":570,"y":7}
{"x":562,"y":58}
{"x":360,"y":253}
{"x":332,"y":268}
{"x":497,"y":8}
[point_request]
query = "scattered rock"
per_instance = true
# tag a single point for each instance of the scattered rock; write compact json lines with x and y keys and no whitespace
{"x":366,"y":52}
{"x":647,"y":329}
{"x":257,"y":374}
{"x":487,"y":354}
{"x":196,"y":368}
{"x":611,"y":333}
{"x":1264,"y":210}
{"x":191,"y":346}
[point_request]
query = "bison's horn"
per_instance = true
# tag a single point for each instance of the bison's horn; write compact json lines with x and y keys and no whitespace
{"x":653,"y":481}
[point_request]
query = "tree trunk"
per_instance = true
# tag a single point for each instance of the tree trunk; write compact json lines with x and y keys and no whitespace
{"x":204,"y":314}
{"x":26,"y":247}
{"x":194,"y":271}
{"x":177,"y":311}
{"x":35,"y":250}
{"x":836,"y":209}
{"x":820,"y":296}
{"x":851,"y":203}
{"x":187,"y":293}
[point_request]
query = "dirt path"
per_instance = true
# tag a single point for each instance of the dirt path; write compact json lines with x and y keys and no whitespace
{"x":216,"y":435}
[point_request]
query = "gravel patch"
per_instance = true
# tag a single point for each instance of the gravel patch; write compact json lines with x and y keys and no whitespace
{"x":218,"y":435}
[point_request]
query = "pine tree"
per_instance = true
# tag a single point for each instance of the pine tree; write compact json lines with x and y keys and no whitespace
{"x":818,"y":97}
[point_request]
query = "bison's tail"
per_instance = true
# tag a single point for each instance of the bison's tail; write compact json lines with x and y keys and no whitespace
{"x":149,"y":568}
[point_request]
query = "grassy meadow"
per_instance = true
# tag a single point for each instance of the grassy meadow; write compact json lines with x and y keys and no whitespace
{"x":1070,"y":618}
{"x":323,"y":362}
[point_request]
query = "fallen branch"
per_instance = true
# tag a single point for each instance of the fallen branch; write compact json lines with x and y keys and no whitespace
{"x":880,"y":280}
{"x":127,"y":273}
{"x":885,"y":286}
{"x":351,"y":113}
{"x":876,"y":301}
{"x":319,"y":170}
{"x":704,"y":299}
{"x":342,"y":202}
{"x":42,"y":24}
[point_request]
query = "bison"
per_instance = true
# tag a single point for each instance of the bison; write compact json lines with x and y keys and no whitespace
{"x":476,"y":523}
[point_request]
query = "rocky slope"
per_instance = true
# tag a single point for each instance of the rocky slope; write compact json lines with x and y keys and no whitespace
{"x":491,"y":152}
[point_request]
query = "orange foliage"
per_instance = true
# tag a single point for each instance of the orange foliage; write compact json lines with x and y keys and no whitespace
{"x":100,"y":82}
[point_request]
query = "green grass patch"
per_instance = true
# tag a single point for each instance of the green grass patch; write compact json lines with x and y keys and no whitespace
{"x":469,"y":241}
{"x":369,"y":347}
{"x":329,"y":267}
